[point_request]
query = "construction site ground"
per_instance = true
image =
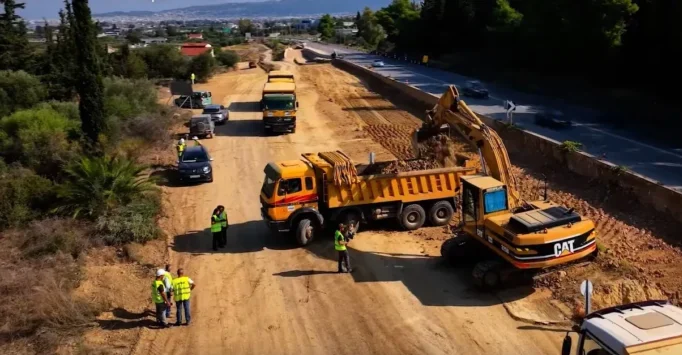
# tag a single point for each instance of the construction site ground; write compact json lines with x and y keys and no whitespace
{"x":264,"y":295}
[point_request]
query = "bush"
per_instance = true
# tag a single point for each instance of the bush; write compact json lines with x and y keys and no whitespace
{"x":39,"y":138}
{"x":135,"y":222}
{"x":95,"y":186}
{"x":19,"y":90}
{"x":227,"y":58}
{"x":50,"y":236}
{"x":65,"y":108}
{"x":202,"y":66}
{"x":126,"y":98}
{"x":163,"y":61}
{"x":23,"y":195}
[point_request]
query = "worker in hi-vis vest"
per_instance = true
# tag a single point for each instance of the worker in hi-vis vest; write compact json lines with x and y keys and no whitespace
{"x":340,"y":243}
{"x":182,"y":288}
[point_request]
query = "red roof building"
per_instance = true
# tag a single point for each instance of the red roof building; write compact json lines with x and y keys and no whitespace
{"x":195,"y":36}
{"x":195,"y":49}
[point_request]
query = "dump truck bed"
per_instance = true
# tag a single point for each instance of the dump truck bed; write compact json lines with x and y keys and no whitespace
{"x":414,"y":186}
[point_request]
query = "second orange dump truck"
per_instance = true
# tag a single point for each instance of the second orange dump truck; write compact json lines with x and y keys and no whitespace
{"x":301,"y":196}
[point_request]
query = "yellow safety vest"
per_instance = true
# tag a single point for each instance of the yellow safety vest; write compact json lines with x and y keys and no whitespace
{"x":181,"y":148}
{"x":338,"y":237}
{"x":168,"y":276}
{"x":223,"y":217}
{"x":156,"y":296}
{"x":181,"y":288}
{"x":215,"y":226}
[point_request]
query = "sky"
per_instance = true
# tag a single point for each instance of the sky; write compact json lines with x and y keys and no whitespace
{"x":37,"y":9}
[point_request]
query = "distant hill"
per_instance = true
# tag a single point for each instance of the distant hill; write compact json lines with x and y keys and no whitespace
{"x":276,"y":8}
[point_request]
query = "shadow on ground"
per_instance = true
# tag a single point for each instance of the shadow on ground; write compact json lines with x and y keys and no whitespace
{"x":128,"y":320}
{"x":244,"y":106}
{"x":240,"y":128}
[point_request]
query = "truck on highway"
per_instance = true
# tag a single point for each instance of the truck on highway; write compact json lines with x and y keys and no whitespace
{"x":279,"y":105}
{"x":642,"y":328}
{"x":301,"y":196}
{"x":281,"y":76}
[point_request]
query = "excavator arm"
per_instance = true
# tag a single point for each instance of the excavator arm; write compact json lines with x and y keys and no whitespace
{"x":454,"y":112}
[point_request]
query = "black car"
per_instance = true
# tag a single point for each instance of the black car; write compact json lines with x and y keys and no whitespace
{"x":195,"y":165}
{"x":552,"y":119}
{"x":475,"y":89}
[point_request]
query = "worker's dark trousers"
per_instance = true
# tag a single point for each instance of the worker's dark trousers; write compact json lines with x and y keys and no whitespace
{"x":223,"y":237}
{"x":216,"y":240}
{"x":344,"y":259}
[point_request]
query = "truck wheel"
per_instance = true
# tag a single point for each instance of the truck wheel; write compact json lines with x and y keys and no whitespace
{"x":305,"y":232}
{"x":413,"y":217}
{"x":441,"y":213}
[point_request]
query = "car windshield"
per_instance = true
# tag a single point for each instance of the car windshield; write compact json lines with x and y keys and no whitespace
{"x":269,"y":186}
{"x":195,"y":156}
{"x":278,"y":102}
{"x":212,"y":110}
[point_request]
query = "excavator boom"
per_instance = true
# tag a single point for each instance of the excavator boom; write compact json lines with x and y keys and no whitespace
{"x":452,"y":111}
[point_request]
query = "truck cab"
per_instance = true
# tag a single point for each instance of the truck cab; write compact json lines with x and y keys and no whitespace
{"x":643,"y":328}
{"x":289,"y":189}
{"x":279,"y":105}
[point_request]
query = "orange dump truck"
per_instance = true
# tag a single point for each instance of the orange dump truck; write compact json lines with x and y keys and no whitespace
{"x":300,"y":196}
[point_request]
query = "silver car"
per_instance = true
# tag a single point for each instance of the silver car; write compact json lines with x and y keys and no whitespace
{"x":219,"y":114}
{"x":378,"y":63}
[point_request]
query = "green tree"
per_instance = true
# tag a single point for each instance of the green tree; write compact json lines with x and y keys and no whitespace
{"x":89,"y":84}
{"x":227,"y":58}
{"x":19,"y":90}
{"x":133,"y":38}
{"x":245,"y":26}
{"x":14,"y":49}
{"x":326,"y":27}
{"x":128,"y":64}
{"x":202,"y":66}
{"x":94,"y":186}
{"x":163,"y":61}
{"x":23,"y":195}
{"x":399,"y":19}
{"x":61,"y":68}
{"x":369,"y":30}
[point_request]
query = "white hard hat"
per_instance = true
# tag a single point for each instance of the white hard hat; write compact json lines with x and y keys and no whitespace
{"x":160,"y":272}
{"x":182,"y":140}
{"x":195,"y":137}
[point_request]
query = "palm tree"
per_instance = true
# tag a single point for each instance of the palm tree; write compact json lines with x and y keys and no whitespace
{"x":94,"y":185}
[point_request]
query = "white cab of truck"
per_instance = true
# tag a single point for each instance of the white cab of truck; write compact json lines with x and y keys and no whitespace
{"x":643,"y":328}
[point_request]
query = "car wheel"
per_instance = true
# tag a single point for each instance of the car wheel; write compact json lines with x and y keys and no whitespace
{"x":210,"y":178}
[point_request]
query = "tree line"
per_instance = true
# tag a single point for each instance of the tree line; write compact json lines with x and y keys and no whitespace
{"x":624,"y":41}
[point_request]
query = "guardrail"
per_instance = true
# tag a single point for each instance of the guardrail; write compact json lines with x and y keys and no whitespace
{"x":647,"y":191}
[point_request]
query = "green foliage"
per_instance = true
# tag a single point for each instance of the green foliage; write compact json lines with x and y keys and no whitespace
{"x":227,"y":58}
{"x":96,"y":186}
{"x":23,"y":195}
{"x":399,"y":20}
{"x":136,"y":222}
{"x":66,"y":109}
{"x":14,"y":49}
{"x":245,"y":26}
{"x":163,"y":61}
{"x":19,"y":90}
{"x":571,"y":146}
{"x":126,"y":98}
{"x":128,"y":64}
{"x":369,"y":30}
{"x":39,"y":139}
{"x":326,"y":27}
{"x":202,"y":66}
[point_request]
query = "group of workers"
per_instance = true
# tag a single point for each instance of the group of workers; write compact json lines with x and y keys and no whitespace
{"x":219,"y":227}
{"x":165,"y":288}
{"x":181,"y":145}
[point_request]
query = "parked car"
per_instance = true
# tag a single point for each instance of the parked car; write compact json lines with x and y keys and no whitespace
{"x":378,"y":63}
{"x":474,"y":88}
{"x":552,"y":119}
{"x":201,"y":126}
{"x":199,"y":99}
{"x":219,"y":114}
{"x":195,"y":165}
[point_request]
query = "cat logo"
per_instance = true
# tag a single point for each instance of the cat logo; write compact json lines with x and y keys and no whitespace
{"x":564,"y":247}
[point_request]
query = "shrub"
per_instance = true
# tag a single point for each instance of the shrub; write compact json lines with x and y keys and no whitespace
{"x":38,"y":138}
{"x":95,"y":186}
{"x":23,"y":195}
{"x":126,"y":98}
{"x":571,"y":146}
{"x":50,"y":236}
{"x":227,"y":58}
{"x":202,"y":66}
{"x":19,"y":90}
{"x":163,"y":61}
{"x":135,"y":222}
{"x":65,"y":108}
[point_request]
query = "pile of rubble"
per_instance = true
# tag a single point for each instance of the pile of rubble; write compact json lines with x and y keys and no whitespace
{"x":402,"y":166}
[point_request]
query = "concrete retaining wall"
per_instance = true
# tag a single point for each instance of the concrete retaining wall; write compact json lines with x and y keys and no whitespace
{"x":648,"y":192}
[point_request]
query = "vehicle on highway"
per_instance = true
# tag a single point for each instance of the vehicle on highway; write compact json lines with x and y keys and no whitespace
{"x":199,"y":100}
{"x":219,"y":114}
{"x":474,"y":88}
{"x":195,"y":165}
{"x":378,"y":63}
{"x":552,"y":119}
{"x":290,"y":203}
{"x":201,"y":126}
{"x":641,"y":328}
{"x":505,"y":236}
{"x":279,"y":105}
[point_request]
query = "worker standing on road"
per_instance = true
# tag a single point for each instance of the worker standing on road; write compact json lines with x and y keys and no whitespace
{"x":223,"y":226}
{"x":340,"y":246}
{"x":216,"y":228}
{"x":159,"y":298}
{"x":181,"y":147}
{"x":182,"y":287}
{"x":168,"y":284}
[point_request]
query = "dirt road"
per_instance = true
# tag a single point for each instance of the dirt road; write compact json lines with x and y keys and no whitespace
{"x":262,"y":295}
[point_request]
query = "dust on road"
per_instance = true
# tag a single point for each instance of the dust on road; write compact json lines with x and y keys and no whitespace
{"x":263,"y":295}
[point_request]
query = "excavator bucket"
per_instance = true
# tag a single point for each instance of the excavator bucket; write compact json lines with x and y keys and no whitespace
{"x":431,"y":126}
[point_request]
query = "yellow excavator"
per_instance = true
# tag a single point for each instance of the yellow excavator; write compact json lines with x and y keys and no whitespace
{"x":519,"y":237}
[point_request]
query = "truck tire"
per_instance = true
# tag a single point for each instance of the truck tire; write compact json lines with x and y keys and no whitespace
{"x":441,"y":213}
{"x":305,"y":232}
{"x":413,"y":217}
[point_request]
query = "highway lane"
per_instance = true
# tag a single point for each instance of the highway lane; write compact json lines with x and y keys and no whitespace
{"x":657,"y":162}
